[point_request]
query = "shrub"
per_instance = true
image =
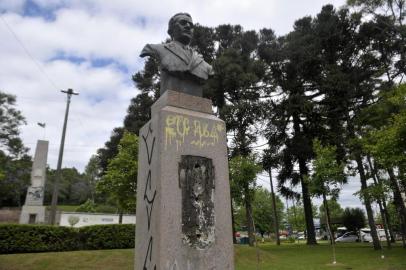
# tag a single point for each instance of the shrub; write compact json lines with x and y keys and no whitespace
{"x":16,"y":238}
{"x":108,"y":236}
{"x":87,"y":207}
{"x":73,"y":220}
{"x":36,"y":238}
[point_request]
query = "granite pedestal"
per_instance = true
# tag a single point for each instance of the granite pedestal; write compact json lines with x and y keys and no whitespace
{"x":183,"y":194}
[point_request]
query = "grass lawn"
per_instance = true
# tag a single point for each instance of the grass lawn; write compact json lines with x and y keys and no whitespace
{"x":355,"y":256}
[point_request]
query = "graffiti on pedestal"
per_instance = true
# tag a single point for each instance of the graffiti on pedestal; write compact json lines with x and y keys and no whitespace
{"x":201,"y":133}
{"x":149,"y":195}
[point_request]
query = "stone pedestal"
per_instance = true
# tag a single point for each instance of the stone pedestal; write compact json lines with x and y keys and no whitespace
{"x":33,"y":210}
{"x":183,"y":194}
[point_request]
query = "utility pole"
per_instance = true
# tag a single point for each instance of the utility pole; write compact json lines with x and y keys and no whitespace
{"x":69,"y":94}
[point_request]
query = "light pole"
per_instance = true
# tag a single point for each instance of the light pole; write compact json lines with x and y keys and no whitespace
{"x":54,"y":202}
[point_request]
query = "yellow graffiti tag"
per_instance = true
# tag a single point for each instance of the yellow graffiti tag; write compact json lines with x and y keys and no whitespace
{"x":200,"y":133}
{"x":176,"y":129}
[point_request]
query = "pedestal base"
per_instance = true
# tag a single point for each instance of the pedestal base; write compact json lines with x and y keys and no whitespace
{"x":183,"y":194}
{"x":32,"y":214}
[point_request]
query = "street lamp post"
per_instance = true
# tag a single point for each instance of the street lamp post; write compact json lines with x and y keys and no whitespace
{"x":54,"y":202}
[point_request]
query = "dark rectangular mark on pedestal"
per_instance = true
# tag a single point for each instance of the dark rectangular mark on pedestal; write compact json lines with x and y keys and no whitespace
{"x":196,"y":180}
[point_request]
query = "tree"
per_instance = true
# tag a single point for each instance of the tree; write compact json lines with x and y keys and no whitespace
{"x":353,"y":219}
{"x":73,"y":188}
{"x":92,"y":174}
{"x":263,"y":211}
{"x":385,"y":142}
{"x":336,"y":213}
{"x":295,"y":217}
{"x":10,"y":120}
{"x":243,"y":171}
{"x":120,"y":179}
{"x":14,"y":179}
{"x":88,"y":207}
{"x":326,"y":180}
{"x":15,"y":164}
{"x":269,"y":161}
{"x":138,"y":113}
{"x":292,"y":118}
{"x":386,"y":23}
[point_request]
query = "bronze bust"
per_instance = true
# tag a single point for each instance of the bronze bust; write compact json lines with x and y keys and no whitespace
{"x":182,"y":68}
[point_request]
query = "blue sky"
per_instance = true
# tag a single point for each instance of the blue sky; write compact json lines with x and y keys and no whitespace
{"x":92,"y":46}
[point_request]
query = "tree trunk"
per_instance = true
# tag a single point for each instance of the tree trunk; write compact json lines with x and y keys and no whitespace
{"x":400,"y":205}
{"x":388,"y":220}
{"x":250,"y":222}
{"x":120,"y":217}
{"x":383,"y":214}
{"x":275,"y":213}
{"x":328,"y":221}
{"x":367,"y":202}
{"x":328,"y":218}
{"x":307,"y":205}
{"x":233,"y":222}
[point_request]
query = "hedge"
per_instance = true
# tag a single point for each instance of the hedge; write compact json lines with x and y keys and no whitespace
{"x":16,"y":238}
{"x":107,"y":236}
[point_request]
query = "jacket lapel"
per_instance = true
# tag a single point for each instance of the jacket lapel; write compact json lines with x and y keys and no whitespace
{"x":195,"y":61}
{"x":178,"y":51}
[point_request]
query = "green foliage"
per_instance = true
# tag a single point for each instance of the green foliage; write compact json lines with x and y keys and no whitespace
{"x":15,"y":238}
{"x":263,"y":211}
{"x":386,"y":143}
{"x":10,"y":120}
{"x":15,"y":164}
{"x":107,"y":236}
{"x":353,"y":219}
{"x":120,"y":179}
{"x":243,"y":172}
{"x":88,"y":207}
{"x":104,"y":208}
{"x":37,"y":238}
{"x":336,"y":212}
{"x":138,"y":113}
{"x":295,"y":217}
{"x":92,"y":174}
{"x":73,"y":188}
{"x":73,"y":220}
{"x":14,"y":179}
{"x":328,"y":173}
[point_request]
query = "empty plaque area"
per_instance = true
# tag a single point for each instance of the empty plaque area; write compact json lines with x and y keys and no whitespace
{"x":196,"y":180}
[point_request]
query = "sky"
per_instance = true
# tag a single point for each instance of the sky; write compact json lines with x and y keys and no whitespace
{"x":92,"y":46}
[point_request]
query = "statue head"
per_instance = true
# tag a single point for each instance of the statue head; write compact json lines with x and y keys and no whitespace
{"x":180,"y":28}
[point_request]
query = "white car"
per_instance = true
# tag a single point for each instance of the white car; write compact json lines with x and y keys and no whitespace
{"x":348,"y":237}
{"x":366,"y":235}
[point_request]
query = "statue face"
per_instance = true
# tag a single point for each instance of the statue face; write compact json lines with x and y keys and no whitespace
{"x":182,"y":30}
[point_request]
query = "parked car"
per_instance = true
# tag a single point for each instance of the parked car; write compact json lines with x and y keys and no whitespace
{"x":348,"y":237}
{"x":301,"y":236}
{"x":366,"y":235}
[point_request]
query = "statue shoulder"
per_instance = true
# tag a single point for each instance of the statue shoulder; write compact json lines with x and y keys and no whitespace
{"x":153,"y":50}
